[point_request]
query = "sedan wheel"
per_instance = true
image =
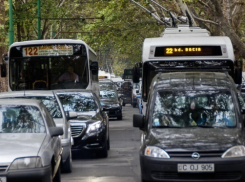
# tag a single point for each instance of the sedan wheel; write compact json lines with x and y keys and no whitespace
{"x":67,"y":166}
{"x":57,"y":177}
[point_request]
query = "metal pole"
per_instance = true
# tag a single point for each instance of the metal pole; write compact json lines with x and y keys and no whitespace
{"x":11,"y":31}
{"x":39,"y":19}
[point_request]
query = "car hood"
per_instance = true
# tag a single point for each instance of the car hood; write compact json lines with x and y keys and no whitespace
{"x":195,"y":139}
{"x":109,"y":101}
{"x":15,"y":145}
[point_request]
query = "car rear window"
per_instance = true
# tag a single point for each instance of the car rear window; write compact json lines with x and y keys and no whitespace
{"x":21,"y":119}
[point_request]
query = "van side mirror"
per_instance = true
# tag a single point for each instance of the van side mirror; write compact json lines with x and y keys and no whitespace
{"x":94,"y":67}
{"x":3,"y":70}
{"x":138,"y":121}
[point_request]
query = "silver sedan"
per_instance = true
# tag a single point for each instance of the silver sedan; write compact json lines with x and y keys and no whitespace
{"x":29,"y":142}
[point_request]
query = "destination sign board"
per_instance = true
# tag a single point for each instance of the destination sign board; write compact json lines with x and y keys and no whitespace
{"x":48,"y":50}
{"x":188,"y":51}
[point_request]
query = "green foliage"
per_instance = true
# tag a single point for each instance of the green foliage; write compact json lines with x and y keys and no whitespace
{"x":119,"y":25}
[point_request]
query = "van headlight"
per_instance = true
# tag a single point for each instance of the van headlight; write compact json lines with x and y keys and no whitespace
{"x":94,"y":127}
{"x":237,"y":151}
{"x":156,"y":152}
{"x":26,"y":163}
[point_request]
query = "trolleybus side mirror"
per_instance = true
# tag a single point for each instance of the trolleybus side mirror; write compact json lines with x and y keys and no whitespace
{"x":5,"y":58}
{"x":136,"y":76}
{"x":3,"y":70}
{"x":94,"y":67}
{"x":238,"y":72}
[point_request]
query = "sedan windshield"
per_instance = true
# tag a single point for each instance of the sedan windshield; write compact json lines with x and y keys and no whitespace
{"x":21,"y":119}
{"x":193,"y":109}
{"x":78,"y":102}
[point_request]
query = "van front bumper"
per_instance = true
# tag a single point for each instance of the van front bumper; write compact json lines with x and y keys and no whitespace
{"x":155,"y":169}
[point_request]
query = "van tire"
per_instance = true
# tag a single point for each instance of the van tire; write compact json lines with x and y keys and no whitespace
{"x":119,"y":117}
{"x":134,"y":105}
{"x":123,"y":103}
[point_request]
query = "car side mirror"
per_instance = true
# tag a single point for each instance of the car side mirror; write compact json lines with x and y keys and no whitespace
{"x":138,"y":121}
{"x":94,"y":67}
{"x":55,"y":131}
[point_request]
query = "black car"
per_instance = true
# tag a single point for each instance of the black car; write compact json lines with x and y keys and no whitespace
{"x":193,"y":129}
{"x":126,"y":92}
{"x":110,"y":102}
{"x":90,"y":127}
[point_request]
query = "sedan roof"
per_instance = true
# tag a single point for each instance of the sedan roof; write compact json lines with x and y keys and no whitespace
{"x":23,"y":102}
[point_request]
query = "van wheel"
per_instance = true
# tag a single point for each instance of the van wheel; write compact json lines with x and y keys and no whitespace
{"x":119,"y":117}
{"x":123,"y":104}
{"x":134,"y":105}
{"x":67,"y":166}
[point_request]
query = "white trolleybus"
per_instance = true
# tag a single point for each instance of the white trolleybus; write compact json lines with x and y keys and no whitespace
{"x":52,"y":64}
{"x":182,"y":49}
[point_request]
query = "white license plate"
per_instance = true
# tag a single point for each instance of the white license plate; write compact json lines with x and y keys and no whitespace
{"x":208,"y":167}
{"x":3,"y":179}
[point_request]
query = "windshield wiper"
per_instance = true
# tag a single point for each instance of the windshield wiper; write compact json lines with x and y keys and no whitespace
{"x":205,"y":126}
{"x":167,"y":127}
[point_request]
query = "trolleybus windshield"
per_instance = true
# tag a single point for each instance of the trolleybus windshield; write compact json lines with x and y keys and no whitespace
{"x":42,"y":66}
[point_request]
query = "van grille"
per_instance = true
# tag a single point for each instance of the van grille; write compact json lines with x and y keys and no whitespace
{"x":202,"y":154}
{"x":77,"y":129}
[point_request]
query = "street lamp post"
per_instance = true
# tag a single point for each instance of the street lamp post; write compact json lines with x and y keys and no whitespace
{"x":39,"y":19}
{"x":11,"y":31}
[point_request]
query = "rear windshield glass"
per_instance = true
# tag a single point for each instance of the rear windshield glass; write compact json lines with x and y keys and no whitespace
{"x":21,"y":119}
{"x":194,"y":109}
{"x":49,"y":102}
{"x":78,"y":102}
{"x":108,"y":94}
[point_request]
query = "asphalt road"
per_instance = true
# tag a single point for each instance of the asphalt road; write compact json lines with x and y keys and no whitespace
{"x":122,"y":163}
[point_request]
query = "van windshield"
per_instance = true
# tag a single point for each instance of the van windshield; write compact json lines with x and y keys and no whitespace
{"x":194,"y":109}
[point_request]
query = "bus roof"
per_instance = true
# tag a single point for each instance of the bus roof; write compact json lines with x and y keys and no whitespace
{"x":150,"y":45}
{"x":51,"y":41}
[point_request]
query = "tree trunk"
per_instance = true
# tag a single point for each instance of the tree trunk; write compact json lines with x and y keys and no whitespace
{"x":229,"y":31}
{"x":3,"y":81}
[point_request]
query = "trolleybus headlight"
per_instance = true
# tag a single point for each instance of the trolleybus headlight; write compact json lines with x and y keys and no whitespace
{"x":237,"y":151}
{"x":156,"y":152}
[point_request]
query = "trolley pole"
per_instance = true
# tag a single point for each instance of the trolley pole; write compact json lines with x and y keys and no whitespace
{"x":39,"y":19}
{"x":11,"y":31}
